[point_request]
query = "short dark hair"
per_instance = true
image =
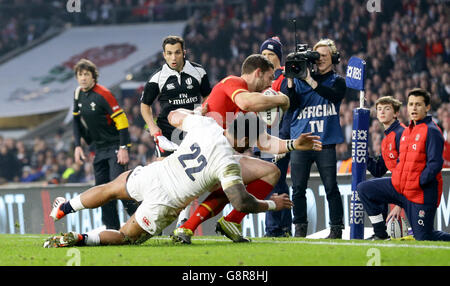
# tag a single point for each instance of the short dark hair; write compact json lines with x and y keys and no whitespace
{"x":86,"y":65}
{"x":421,"y":92}
{"x":255,"y":61}
{"x":172,"y":40}
{"x":246,"y":125}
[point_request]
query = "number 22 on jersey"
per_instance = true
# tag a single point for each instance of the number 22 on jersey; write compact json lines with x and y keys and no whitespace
{"x":193,"y":156}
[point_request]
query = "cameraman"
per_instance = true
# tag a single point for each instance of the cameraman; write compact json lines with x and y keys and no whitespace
{"x":315,"y":103}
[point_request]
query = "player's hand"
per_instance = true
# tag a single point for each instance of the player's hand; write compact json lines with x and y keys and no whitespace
{"x":202,"y":110}
{"x":286,"y":103}
{"x":154,"y":130}
{"x":281,"y":201}
{"x":79,"y":155}
{"x":164,"y":144}
{"x":395,"y":213}
{"x":306,"y":142}
{"x":122,"y":156}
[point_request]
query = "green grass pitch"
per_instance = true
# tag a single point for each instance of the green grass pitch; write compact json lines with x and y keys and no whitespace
{"x":27,"y":250}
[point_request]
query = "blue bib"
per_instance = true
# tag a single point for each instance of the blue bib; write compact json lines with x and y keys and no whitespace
{"x":316,"y":114}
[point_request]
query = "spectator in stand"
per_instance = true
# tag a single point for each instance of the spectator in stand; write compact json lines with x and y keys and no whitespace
{"x":392,"y":35}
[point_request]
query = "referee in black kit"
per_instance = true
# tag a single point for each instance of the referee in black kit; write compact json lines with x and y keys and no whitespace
{"x":99,"y":119}
{"x":179,"y":83}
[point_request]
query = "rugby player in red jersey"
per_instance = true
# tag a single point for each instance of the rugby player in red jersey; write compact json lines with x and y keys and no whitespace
{"x":236,"y":94}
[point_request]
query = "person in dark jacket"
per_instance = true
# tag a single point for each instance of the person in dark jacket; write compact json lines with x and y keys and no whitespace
{"x":100,"y":121}
{"x":315,"y":108}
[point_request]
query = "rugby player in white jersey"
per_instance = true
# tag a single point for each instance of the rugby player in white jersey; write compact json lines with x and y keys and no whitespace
{"x":204,"y":160}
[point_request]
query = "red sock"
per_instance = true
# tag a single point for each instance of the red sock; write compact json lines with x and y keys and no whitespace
{"x":260,"y":189}
{"x":210,"y":207}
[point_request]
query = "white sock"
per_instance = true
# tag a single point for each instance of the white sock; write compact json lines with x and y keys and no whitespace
{"x":184,"y":214}
{"x":93,"y":238}
{"x":76,"y":204}
{"x":376,"y":218}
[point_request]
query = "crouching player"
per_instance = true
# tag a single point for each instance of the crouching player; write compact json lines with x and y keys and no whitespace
{"x":387,"y":109}
{"x":416,"y":182}
{"x":165,"y":187}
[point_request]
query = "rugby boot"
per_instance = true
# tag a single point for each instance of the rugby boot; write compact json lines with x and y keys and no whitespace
{"x":181,"y":235}
{"x":64,"y":240}
{"x":231,"y":230}
{"x":56,"y":212}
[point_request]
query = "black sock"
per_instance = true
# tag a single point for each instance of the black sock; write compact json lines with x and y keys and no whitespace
{"x":380,"y":229}
{"x":67,"y":208}
{"x":83,"y":241}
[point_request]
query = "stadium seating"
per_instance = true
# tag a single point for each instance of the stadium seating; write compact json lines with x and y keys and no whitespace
{"x":406,"y":46}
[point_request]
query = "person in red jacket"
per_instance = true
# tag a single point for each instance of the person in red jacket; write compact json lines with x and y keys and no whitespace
{"x":416,"y":182}
{"x":387,"y":109}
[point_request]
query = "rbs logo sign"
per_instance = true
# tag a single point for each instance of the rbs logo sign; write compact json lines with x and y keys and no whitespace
{"x":354,"y":72}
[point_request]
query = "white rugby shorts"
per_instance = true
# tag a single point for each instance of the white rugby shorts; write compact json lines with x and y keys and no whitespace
{"x":156,"y":211}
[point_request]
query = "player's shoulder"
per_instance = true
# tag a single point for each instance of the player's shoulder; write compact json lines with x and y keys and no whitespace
{"x":202,"y":121}
{"x":433,"y":128}
{"x":194,"y":69}
{"x":232,"y":79}
{"x":154,"y":78}
{"x":196,"y":65}
{"x":106,"y":95}
{"x":203,"y":126}
{"x":103,"y":91}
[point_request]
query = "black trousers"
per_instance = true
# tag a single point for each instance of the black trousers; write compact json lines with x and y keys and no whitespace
{"x":279,"y":222}
{"x":301,"y":162}
{"x":107,"y":169}
{"x":374,"y":195}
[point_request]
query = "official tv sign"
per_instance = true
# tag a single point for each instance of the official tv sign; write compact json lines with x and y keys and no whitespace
{"x":355,"y":73}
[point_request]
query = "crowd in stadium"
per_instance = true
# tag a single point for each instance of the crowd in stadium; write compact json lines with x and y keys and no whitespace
{"x":406,"y":45}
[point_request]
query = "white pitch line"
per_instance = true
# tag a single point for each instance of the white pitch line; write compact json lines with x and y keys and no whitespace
{"x":329,"y":243}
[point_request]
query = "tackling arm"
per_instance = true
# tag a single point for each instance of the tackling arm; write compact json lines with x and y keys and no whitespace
{"x":255,"y":101}
{"x":245,"y":202}
{"x":177,"y":116}
{"x":275,"y":145}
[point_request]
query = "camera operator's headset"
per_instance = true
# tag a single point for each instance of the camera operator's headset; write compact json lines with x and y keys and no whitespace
{"x":335,"y":56}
